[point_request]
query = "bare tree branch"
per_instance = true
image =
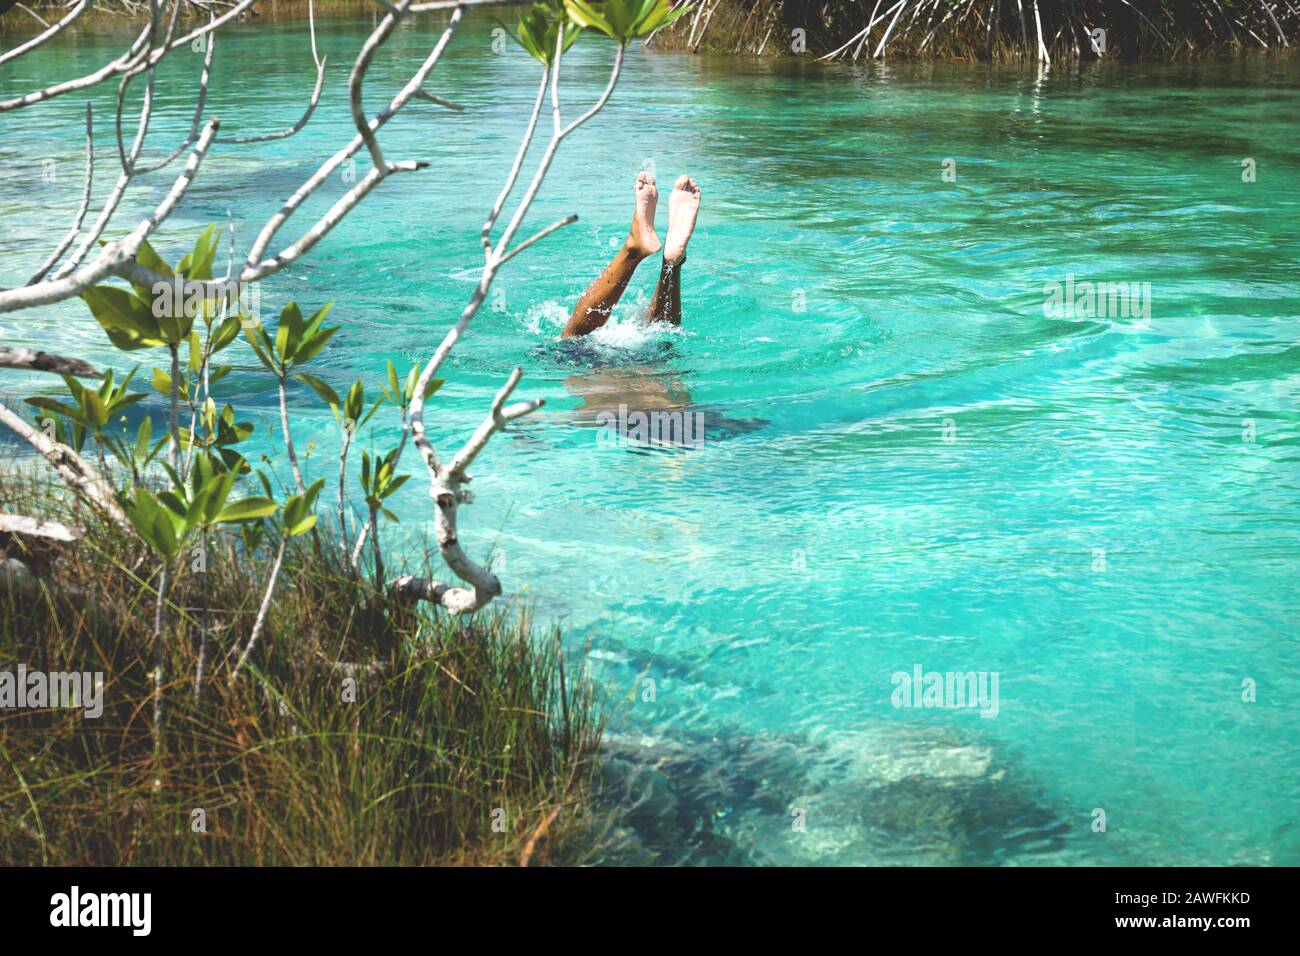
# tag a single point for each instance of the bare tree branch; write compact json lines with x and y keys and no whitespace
{"x":446,"y":481}
{"x":71,"y":235}
{"x":37,"y":361}
{"x":115,"y":255}
{"x":49,"y":34}
{"x":72,"y":468}
{"x":39,"y":528}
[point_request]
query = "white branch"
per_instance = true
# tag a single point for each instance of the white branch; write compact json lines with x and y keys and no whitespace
{"x":37,"y":361}
{"x":538,"y":236}
{"x":515,"y":167}
{"x":49,"y":34}
{"x":256,"y":267}
{"x":439,"y":101}
{"x":197,"y":121}
{"x":302,"y":121}
{"x":72,"y":468}
{"x":71,"y":236}
{"x":39,"y":528}
{"x":445,"y":482}
{"x":262,"y":609}
{"x":115,"y":255}
{"x":112,"y":68}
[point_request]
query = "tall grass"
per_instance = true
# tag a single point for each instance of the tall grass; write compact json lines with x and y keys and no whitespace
{"x":366,"y":732}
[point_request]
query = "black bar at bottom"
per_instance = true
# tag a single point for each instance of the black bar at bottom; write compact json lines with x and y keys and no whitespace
{"x":335,"y":906}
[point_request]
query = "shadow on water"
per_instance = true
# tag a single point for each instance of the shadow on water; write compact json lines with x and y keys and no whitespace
{"x":635,"y":395}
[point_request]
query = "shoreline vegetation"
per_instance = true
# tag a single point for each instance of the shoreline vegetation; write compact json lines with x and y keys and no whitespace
{"x":985,"y":30}
{"x":371,"y":731}
{"x":989,"y":30}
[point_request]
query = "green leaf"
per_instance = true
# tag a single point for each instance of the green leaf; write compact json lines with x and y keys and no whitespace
{"x":143,"y":436}
{"x":247,"y":509}
{"x":301,"y":527}
{"x":294,"y":511}
{"x":50,"y":405}
{"x":154,"y":523}
{"x":175,"y":504}
{"x":256,"y":336}
{"x":226,"y":333}
{"x":196,"y":352}
{"x":538,"y":31}
{"x":355,"y":403}
{"x":394,"y":386}
{"x":317,"y":320}
{"x":162,"y":383}
{"x":174,"y":326}
{"x":298,"y":518}
{"x":395,"y":484}
{"x":147,"y":257}
{"x":311,"y":348}
{"x":129,"y":322}
{"x":96,"y":413}
{"x":164,"y":534}
{"x":585,"y":14}
{"x":220,"y":487}
{"x":313,"y":492}
{"x":373,"y":408}
{"x":198,"y":264}
{"x":289,"y":333}
{"x":326,"y":393}
{"x":657,"y":14}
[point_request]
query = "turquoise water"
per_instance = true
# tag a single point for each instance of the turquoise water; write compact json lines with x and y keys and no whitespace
{"x":907,"y":462}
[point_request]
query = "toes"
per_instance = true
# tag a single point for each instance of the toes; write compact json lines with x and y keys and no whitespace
{"x":645,"y":179}
{"x":684,"y":183}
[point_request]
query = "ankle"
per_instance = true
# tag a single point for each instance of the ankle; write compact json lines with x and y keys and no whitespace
{"x":636,"y":250}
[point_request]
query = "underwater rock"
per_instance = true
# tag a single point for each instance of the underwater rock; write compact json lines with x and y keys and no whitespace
{"x":894,"y":793}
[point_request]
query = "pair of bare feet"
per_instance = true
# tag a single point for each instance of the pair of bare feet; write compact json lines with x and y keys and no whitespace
{"x":683,"y":208}
{"x":597,"y":303}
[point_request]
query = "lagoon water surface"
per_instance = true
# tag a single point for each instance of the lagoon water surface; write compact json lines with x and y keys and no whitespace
{"x":907,"y":461}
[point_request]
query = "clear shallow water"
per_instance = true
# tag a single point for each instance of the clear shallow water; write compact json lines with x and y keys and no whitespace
{"x":843,"y":303}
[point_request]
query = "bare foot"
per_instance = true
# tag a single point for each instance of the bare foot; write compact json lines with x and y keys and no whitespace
{"x":642,"y":238}
{"x":683,"y":207}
